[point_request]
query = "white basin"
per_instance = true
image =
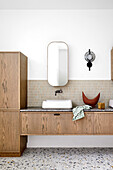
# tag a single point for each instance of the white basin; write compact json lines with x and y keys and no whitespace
{"x":60,"y":104}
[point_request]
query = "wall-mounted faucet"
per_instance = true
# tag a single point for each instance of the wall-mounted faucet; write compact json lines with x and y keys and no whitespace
{"x":58,"y":91}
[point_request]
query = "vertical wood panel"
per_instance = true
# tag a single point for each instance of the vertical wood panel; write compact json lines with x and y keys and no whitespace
{"x":103,"y":123}
{"x":9,"y":80}
{"x":32,"y":123}
{"x":23,"y":81}
{"x":23,"y":143}
{"x":9,"y":131}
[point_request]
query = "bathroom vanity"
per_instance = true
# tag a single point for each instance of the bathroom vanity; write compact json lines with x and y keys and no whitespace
{"x":16,"y":126}
{"x":37,"y":121}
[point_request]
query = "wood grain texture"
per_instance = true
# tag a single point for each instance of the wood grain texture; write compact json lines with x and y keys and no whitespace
{"x":11,"y":143}
{"x":22,"y":139}
{"x":103,"y":123}
{"x":9,"y":80}
{"x":13,"y":93}
{"x":85,"y":125}
{"x":13,"y":80}
{"x":23,"y":81}
{"x":10,"y":154}
{"x":55,"y":123}
{"x":60,"y":124}
{"x":31,"y":123}
{"x":9,"y":131}
{"x":112,"y":64}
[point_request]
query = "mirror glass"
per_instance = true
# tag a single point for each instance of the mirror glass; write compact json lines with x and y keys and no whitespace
{"x":57,"y":63}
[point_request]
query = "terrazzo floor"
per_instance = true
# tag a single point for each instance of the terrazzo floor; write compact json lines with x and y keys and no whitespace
{"x":60,"y":159}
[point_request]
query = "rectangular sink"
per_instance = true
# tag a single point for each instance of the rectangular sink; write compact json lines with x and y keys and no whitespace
{"x":59,"y":104}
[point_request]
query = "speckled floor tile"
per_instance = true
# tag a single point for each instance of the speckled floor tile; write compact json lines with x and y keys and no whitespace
{"x":60,"y":159}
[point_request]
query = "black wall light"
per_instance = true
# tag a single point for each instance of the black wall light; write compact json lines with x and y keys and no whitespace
{"x":89,"y":57}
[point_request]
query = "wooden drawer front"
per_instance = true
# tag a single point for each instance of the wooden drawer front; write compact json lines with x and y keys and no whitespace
{"x":54,"y":123}
{"x":9,"y":131}
{"x":63,"y":124}
{"x":32,"y":123}
{"x":47,"y":123}
{"x":103,"y":123}
{"x":60,"y":123}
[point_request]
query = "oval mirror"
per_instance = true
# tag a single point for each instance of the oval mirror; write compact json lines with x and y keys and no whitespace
{"x":57,"y":53}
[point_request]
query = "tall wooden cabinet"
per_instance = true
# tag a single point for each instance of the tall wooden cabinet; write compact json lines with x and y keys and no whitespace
{"x":13,"y":97}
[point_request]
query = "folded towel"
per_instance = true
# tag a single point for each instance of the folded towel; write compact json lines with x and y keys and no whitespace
{"x":78,"y":112}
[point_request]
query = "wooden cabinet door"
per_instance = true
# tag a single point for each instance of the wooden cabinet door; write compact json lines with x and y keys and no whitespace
{"x":9,"y":131}
{"x":9,"y":78}
{"x":103,"y":123}
{"x":33,"y":123}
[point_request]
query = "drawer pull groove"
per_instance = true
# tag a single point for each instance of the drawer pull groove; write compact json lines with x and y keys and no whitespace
{"x":57,"y":114}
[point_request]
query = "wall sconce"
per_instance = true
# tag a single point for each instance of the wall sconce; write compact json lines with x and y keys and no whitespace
{"x":89,"y":57}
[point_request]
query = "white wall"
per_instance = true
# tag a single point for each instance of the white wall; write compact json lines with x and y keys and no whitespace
{"x":56,"y":4}
{"x":31,"y":31}
{"x":70,"y":141}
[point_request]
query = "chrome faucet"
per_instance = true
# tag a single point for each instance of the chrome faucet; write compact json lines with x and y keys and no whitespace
{"x":58,"y":91}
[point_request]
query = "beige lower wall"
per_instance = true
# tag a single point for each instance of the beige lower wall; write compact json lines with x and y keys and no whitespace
{"x":40,"y":90}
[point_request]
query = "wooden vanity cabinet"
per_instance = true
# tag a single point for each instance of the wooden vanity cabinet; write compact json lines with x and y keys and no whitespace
{"x":13,"y":97}
{"x":55,"y":123}
{"x":60,"y":123}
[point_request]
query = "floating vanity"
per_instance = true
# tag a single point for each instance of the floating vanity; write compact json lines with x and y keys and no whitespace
{"x":38,"y":121}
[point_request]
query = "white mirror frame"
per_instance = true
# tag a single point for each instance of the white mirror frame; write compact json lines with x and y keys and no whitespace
{"x":55,"y":82}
